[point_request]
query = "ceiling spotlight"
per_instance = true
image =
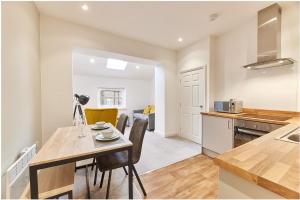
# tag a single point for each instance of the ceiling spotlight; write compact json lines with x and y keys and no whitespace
{"x":180,"y":39}
{"x":137,"y":67}
{"x":213,"y":17}
{"x":84,"y":7}
{"x":92,"y":60}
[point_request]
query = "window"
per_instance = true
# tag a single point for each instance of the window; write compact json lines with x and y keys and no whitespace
{"x":112,"y":98}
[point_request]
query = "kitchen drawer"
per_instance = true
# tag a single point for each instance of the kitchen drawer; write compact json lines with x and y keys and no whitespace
{"x":258,"y":126}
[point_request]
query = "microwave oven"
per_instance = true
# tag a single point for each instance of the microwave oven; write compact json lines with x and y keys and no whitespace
{"x":231,"y":106}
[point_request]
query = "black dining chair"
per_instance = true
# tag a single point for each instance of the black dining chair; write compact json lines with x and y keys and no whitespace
{"x":122,"y":121}
{"x":121,"y":125}
{"x":120,"y":159}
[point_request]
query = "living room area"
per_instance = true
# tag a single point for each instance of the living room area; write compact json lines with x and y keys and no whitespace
{"x":115,"y":81}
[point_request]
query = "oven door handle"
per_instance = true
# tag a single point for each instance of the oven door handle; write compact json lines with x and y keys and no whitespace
{"x":251,"y":132}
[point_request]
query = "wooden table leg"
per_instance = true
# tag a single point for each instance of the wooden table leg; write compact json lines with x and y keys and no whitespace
{"x":33,"y":182}
{"x":130,"y":178}
{"x":87,"y":182}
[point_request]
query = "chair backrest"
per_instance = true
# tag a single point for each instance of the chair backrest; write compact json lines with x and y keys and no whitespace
{"x":136,"y":136}
{"x":108,"y":115}
{"x":122,"y":123}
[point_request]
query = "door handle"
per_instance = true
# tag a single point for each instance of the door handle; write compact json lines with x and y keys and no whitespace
{"x":228,"y":124}
{"x":201,"y":106}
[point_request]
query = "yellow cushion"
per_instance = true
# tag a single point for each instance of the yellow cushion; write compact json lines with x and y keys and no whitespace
{"x":147,"y":109}
{"x":152,"y":110}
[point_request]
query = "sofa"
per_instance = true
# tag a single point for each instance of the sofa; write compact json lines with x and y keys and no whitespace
{"x":150,"y":116}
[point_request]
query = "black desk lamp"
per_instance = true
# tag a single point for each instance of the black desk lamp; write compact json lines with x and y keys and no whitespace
{"x":80,"y":100}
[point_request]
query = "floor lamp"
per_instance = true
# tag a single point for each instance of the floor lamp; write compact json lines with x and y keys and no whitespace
{"x":80,"y":101}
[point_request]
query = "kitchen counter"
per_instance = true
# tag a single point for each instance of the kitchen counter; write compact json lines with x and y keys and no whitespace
{"x":219,"y":114}
{"x":269,"y":163}
{"x":249,"y":114}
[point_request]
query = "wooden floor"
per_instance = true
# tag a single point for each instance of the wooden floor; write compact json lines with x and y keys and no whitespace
{"x":196,"y":177}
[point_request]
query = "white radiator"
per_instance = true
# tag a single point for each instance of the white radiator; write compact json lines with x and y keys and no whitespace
{"x":18,"y":167}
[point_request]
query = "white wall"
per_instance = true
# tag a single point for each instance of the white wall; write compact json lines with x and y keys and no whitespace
{"x":199,"y":54}
{"x":59,"y":38}
{"x":21,"y":92}
{"x":138,"y":92}
{"x":159,"y":95}
{"x":274,"y":88}
{"x":298,"y":60}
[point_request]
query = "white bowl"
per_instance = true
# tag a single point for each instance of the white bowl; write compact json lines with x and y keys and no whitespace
{"x":107,"y":133}
{"x":100,"y":124}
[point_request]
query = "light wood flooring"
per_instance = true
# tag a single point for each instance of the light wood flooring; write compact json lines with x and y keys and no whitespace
{"x":195,"y":177}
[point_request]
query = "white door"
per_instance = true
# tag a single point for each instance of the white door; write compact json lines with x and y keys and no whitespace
{"x":192,"y":103}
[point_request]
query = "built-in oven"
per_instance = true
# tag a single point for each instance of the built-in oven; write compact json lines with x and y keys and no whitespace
{"x":247,"y":130}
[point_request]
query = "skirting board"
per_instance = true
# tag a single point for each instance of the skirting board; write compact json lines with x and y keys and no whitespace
{"x":162,"y":134}
{"x":209,"y":153}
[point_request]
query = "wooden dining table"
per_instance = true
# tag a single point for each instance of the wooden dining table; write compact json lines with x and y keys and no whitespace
{"x":67,"y":145}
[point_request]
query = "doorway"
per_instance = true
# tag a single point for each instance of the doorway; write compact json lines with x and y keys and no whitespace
{"x":192,"y":103}
{"x":139,"y":84}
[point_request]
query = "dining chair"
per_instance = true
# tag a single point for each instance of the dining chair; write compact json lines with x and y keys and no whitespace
{"x":93,"y":115}
{"x":120,"y":159}
{"x":121,"y":125}
{"x":108,"y":115}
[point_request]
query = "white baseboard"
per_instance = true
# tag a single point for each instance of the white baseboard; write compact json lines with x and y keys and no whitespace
{"x":162,"y":134}
{"x":172,"y":134}
{"x":209,"y":153}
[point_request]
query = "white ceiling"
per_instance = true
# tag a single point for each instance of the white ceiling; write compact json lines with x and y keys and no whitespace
{"x":83,"y":66}
{"x":159,"y":23}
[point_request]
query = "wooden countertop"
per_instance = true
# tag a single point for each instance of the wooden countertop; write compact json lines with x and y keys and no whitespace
{"x":292,"y":116}
{"x":219,"y":114}
{"x":270,"y":163}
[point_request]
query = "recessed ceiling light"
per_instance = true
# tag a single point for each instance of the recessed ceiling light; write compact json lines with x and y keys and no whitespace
{"x":180,"y":39}
{"x":92,"y":60}
{"x":138,"y":67}
{"x":116,"y":64}
{"x":84,"y":7}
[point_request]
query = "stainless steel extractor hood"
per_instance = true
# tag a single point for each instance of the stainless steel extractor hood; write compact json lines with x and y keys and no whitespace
{"x":269,"y":39}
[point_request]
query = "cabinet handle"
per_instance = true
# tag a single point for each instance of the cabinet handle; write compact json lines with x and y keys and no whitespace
{"x":228,"y":124}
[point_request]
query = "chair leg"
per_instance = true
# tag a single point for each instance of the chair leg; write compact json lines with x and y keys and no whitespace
{"x":139,"y":180}
{"x":125,"y":170}
{"x":108,"y":184}
{"x":93,"y":164}
{"x":70,"y":195}
{"x":96,"y":173}
{"x":102,"y":178}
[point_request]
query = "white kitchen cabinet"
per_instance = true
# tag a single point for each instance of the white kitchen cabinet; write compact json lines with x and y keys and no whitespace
{"x":218,"y":133}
